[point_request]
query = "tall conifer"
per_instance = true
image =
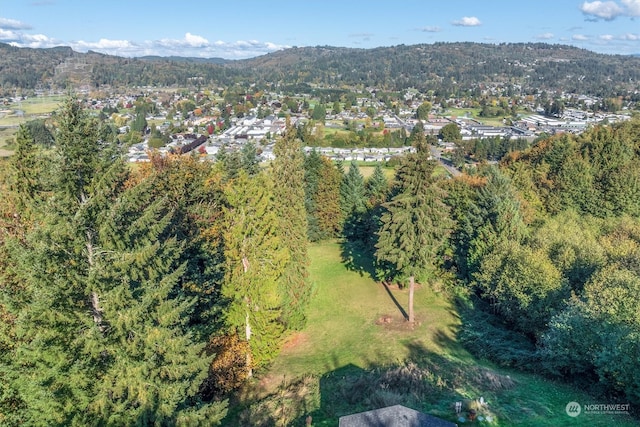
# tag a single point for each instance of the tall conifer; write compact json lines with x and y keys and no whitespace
{"x":288,"y":177}
{"x":255,"y":257}
{"x":415,"y":225}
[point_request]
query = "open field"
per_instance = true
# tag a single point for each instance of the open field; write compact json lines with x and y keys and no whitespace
{"x":357,"y":353}
{"x":21,"y":112}
{"x":473,"y":113}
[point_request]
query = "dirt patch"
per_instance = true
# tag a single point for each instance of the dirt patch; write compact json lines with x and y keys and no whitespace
{"x":294,"y":341}
{"x":5,"y":153}
{"x":396,"y":322}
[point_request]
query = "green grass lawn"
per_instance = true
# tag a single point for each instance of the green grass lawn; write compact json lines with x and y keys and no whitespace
{"x":31,"y":108}
{"x":357,"y":353}
{"x":6,"y":134}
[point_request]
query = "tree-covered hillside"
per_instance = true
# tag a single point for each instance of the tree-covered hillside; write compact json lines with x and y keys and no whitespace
{"x":548,"y":247}
{"x":444,"y":68}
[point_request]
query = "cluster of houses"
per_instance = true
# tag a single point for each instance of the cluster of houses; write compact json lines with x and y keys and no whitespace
{"x":264,"y":131}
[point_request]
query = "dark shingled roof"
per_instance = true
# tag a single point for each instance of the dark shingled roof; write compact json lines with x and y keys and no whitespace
{"x":393,"y":416}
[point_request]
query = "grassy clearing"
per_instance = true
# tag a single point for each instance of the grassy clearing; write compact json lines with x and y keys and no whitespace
{"x":357,"y":354}
{"x":6,"y":135}
{"x":31,"y":108}
{"x":366,"y":169}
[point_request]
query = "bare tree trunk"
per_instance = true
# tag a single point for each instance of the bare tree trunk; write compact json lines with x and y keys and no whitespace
{"x":245,"y":266}
{"x":412,"y":285}
{"x":248,"y":336}
{"x":95,"y":300}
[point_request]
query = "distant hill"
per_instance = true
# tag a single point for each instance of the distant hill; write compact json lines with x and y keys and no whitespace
{"x":452,"y":68}
{"x":447,"y":69}
{"x":184,"y":59}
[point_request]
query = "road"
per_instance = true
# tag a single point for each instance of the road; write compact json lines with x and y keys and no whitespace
{"x":437,"y":154}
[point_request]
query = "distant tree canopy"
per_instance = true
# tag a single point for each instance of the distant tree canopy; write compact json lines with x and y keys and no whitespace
{"x":443,"y":69}
{"x":450,"y":133}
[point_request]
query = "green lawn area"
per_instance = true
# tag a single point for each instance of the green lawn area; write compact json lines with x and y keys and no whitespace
{"x":31,"y":109}
{"x":357,"y":353}
{"x":473,"y":113}
{"x":5,"y":135}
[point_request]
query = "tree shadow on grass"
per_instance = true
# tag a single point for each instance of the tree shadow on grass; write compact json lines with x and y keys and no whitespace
{"x":395,"y":301}
{"x":426,"y":381}
{"x":358,"y":257}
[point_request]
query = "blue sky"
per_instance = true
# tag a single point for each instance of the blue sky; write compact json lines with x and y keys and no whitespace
{"x":236,"y":29}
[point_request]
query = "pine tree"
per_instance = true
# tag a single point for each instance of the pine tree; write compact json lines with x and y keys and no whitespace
{"x":56,"y":264}
{"x":153,"y":360}
{"x":288,"y":177}
{"x":328,"y":210}
{"x":415,"y":224}
{"x":26,"y":171}
{"x":353,"y":202}
{"x":494,"y":220}
{"x":377,"y":186}
{"x":352,"y":191}
{"x":102,"y":324}
{"x":249,"y":159}
{"x":312,"y":171}
{"x":255,"y":258}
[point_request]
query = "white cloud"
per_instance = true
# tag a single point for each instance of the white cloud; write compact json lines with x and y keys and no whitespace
{"x":606,"y":37}
{"x":7,"y":35}
{"x":431,"y":29}
{"x":195,"y":41}
{"x":630,"y":37}
{"x":609,"y":10}
{"x":26,"y":40}
{"x":633,"y":7}
{"x":579,"y":37}
{"x":189,"y":41}
{"x":467,"y":21}
{"x":103,"y":44}
{"x":12,"y":24}
{"x":545,"y":36}
{"x":606,"y":10}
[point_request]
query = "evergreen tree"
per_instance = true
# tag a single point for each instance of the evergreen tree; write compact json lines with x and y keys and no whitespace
{"x":40,"y":133}
{"x":415,"y":224}
{"x":104,"y":333}
{"x":494,"y":220}
{"x":417,"y":135}
{"x":352,"y":191}
{"x":255,"y":258}
{"x":26,"y":171}
{"x":288,"y":177}
{"x":249,"y":159}
{"x":353,"y":201}
{"x":377,"y":186}
{"x":328,"y":212}
{"x":152,"y":359}
{"x":312,"y":179}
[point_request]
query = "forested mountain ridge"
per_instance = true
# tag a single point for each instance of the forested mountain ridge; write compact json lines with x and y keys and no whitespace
{"x":444,"y":68}
{"x":453,"y":67}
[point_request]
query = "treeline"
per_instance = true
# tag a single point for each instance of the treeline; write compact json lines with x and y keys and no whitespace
{"x":144,"y":296}
{"x":454,"y":69}
{"x":547,"y":246}
{"x":442,"y":69}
